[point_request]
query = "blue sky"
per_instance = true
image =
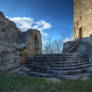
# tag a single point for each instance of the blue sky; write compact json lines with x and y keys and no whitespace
{"x":55,"y":15}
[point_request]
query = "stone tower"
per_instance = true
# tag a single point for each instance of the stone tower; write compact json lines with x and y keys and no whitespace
{"x":82,"y":18}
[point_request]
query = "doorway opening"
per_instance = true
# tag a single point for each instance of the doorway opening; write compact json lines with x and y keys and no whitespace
{"x":80,"y":33}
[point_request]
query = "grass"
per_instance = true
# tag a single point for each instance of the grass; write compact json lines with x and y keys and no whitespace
{"x":23,"y":83}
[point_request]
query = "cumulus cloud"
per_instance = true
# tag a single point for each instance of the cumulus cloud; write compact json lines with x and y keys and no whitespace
{"x":66,"y":40}
{"x":42,"y":25}
{"x":25,"y":23}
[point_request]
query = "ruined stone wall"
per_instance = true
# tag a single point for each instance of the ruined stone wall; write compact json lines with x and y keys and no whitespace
{"x":30,"y":50}
{"x":9,"y":56}
{"x":16,"y":45}
{"x":82,"y":28}
{"x":82,"y":18}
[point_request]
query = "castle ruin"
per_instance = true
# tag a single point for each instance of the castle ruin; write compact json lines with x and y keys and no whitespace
{"x":16,"y":46}
{"x":82,"y":18}
{"x":75,"y":61}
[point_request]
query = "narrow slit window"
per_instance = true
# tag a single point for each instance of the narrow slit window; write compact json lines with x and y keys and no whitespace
{"x":36,"y":42}
{"x":80,"y":33}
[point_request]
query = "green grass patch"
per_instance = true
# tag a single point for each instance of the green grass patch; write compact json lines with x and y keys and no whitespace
{"x":23,"y":83}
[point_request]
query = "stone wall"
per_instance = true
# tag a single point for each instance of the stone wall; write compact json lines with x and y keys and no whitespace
{"x":82,"y":18}
{"x":30,"y":50}
{"x":82,"y":28}
{"x":16,"y":45}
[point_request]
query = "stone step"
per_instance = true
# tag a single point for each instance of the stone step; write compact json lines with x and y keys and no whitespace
{"x":58,"y":61}
{"x":69,"y":72}
{"x":66,"y":65}
{"x":76,"y":76}
{"x":46,"y":57}
{"x":55,"y":64}
{"x":64,"y":54}
{"x":60,"y":67}
{"x":69,"y":63}
{"x":40,"y":74}
{"x":70,"y":68}
{"x":61,"y":55}
{"x":63,"y":72}
{"x":55,"y":60}
{"x":49,"y":69}
{"x":58,"y":64}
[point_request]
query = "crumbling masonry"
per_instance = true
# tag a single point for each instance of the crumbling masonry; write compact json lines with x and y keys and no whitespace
{"x":82,"y":18}
{"x":15,"y":45}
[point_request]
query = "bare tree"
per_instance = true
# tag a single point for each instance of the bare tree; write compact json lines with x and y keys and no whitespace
{"x":53,"y":46}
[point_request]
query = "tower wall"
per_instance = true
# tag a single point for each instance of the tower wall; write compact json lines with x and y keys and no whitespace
{"x":82,"y":18}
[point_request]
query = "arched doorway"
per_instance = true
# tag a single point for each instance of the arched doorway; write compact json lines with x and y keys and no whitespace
{"x":36,"y":42}
{"x":80,"y":33}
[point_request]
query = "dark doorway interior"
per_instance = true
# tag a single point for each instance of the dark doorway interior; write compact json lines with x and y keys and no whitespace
{"x":36,"y":43}
{"x":80,"y":33}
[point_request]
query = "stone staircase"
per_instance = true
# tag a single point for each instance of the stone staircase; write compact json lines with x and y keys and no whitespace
{"x":74,"y":47}
{"x":70,"y":47}
{"x":58,"y":65}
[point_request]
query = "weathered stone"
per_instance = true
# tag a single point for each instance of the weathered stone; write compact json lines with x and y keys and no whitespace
{"x":82,"y":28}
{"x":60,"y":65}
{"x":69,"y":46}
{"x":82,"y":18}
{"x":15,"y":45}
{"x":26,"y":44}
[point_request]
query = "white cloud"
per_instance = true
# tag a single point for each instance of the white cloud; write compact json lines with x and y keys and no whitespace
{"x":42,"y":25}
{"x":66,"y":40}
{"x":25,"y":23}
